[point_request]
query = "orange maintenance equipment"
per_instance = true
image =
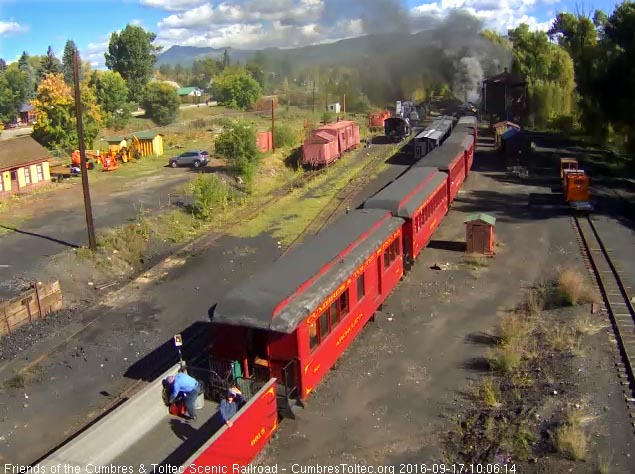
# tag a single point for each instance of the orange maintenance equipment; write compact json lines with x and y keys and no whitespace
{"x":575,"y":185}
{"x":567,"y":164}
{"x":76,"y":160}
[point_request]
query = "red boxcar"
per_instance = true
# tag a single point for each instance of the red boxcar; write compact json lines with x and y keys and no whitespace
{"x":319,"y":150}
{"x":420,"y":196}
{"x":294,"y":320}
{"x":347,"y":133}
{"x":376,"y":120}
{"x":451,"y":159}
{"x":466,"y":140}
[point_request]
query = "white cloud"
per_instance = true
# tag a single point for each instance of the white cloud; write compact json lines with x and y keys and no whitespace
{"x":136,"y":22}
{"x":257,"y":24}
{"x":499,"y":15}
{"x":7,"y":27}
{"x":172,"y":5}
{"x":94,"y":52}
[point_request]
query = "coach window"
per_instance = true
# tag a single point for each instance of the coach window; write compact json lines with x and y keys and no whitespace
{"x":324,"y":326}
{"x":391,"y":253}
{"x":313,"y":335}
{"x":334,"y":315}
{"x":344,"y":307}
{"x":361,"y":288}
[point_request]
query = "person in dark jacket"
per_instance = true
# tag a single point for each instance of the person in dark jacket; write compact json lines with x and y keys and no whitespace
{"x":229,"y":405}
{"x":186,"y":386}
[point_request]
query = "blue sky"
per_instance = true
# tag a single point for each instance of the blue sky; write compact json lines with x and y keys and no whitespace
{"x":33,"y":25}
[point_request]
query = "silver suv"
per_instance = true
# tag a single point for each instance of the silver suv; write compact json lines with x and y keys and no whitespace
{"x":190,"y":158}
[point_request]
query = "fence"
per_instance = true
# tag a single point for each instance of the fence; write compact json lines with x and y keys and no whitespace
{"x":34,"y":304}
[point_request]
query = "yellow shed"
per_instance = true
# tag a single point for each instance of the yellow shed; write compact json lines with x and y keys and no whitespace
{"x":115,"y":143}
{"x":151,"y":143}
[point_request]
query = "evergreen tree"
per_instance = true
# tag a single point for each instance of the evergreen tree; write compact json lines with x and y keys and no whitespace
{"x":30,"y":73}
{"x":132,"y":54}
{"x":50,"y":63}
{"x":3,"y":65}
{"x":67,"y":62}
{"x":227,"y":60}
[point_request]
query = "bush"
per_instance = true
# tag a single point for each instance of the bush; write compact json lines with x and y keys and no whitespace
{"x":209,"y":193}
{"x":285,"y":136}
{"x":237,"y":144}
{"x":161,"y":103}
{"x":235,"y":88}
{"x":563,"y":123}
{"x":328,"y":117}
{"x":574,"y":290}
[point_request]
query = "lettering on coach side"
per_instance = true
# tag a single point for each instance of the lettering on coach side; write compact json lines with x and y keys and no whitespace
{"x":258,"y":436}
{"x":349,"y":329}
{"x":340,"y":289}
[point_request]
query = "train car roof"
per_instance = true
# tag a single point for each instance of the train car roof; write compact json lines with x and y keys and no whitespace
{"x":435,"y":130}
{"x":467,"y":120}
{"x":460,"y":137}
{"x":406,"y":194}
{"x":441,"y":157}
{"x":286,"y":293}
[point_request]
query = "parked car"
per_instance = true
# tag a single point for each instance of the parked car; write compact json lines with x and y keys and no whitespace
{"x":190,"y":158}
{"x":12,"y":124}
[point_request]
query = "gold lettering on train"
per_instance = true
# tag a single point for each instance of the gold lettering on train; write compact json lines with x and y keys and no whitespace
{"x":258,"y":436}
{"x":349,"y":329}
{"x":360,"y":270}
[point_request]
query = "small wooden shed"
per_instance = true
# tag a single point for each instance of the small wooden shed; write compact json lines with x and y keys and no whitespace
{"x":479,"y":234}
{"x":151,"y":143}
{"x":115,"y":143}
{"x":502,"y":127}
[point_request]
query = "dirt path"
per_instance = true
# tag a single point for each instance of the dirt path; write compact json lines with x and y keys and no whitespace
{"x":55,"y":221}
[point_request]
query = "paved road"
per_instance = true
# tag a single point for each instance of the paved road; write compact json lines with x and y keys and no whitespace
{"x":15,"y":132}
{"x":26,"y":250}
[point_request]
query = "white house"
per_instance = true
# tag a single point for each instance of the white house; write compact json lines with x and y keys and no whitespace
{"x":334,"y":107}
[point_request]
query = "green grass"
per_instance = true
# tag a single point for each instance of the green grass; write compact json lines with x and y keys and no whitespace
{"x":287,"y":218}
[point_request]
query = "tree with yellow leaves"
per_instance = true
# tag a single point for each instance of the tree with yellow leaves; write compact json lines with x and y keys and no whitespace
{"x":56,"y":125}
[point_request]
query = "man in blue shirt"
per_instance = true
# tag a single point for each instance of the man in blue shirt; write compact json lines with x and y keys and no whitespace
{"x":186,"y":386}
{"x":229,"y":405}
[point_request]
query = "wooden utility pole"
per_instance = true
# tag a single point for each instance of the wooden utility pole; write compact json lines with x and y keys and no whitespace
{"x":313,"y":108}
{"x":273,"y":125}
{"x":344,"y":101}
{"x":92,"y":242}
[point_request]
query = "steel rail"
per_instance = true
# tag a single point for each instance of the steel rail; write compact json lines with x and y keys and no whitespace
{"x":613,"y":291}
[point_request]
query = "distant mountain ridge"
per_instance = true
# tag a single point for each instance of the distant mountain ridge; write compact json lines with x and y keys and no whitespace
{"x":339,"y":51}
{"x":186,"y":55}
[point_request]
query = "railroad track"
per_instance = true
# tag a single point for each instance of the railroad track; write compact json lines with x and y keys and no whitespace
{"x":338,"y":203}
{"x":615,"y":295}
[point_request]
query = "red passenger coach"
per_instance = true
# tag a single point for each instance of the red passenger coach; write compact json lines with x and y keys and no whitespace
{"x":466,"y":140}
{"x":451,"y":159}
{"x":294,"y":320}
{"x":421,"y":197}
